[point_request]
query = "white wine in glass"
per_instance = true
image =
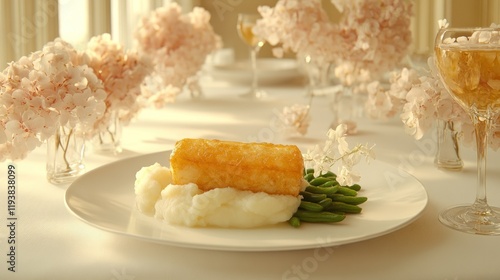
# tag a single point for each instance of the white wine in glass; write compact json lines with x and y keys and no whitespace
{"x":245,"y":24}
{"x":468,"y":60}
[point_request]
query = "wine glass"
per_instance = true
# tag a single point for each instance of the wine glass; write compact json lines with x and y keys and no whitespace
{"x":468,"y":60}
{"x":245,"y":24}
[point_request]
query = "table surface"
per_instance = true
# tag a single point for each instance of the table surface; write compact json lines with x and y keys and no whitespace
{"x":51,"y":243}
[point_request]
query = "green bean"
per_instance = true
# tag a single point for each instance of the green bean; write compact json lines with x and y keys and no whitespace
{"x":337,"y":206}
{"x":308,"y":177}
{"x":294,"y":222}
{"x":328,"y":184}
{"x":347,"y":191}
{"x":320,"y":190}
{"x":319,"y":181}
{"x":325,"y":202}
{"x":355,"y":187}
{"x":312,"y":197}
{"x":334,"y":179}
{"x":318,"y":217}
{"x":354,"y":200}
{"x":328,"y":174}
{"x":310,"y":206}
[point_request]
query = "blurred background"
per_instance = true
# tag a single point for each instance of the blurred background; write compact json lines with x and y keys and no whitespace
{"x":26,"y":25}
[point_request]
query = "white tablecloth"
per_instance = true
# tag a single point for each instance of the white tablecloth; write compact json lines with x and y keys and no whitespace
{"x":51,"y":243}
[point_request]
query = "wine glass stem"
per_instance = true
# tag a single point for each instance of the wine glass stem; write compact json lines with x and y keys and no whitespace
{"x":253,"y":58}
{"x":482,"y":126}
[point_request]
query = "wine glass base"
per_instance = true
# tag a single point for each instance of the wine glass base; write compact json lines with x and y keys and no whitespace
{"x":467,"y":219}
{"x":255,"y":94}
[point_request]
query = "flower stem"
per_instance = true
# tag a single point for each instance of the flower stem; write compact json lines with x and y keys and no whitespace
{"x":332,"y":161}
{"x":111,"y":135}
{"x":65,"y":148}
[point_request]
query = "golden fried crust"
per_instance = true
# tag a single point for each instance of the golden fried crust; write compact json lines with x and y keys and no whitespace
{"x":257,"y":167}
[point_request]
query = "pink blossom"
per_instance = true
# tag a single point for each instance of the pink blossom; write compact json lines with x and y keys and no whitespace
{"x":372,"y":37}
{"x":386,"y":103}
{"x":121,"y":72}
{"x":380,"y":104}
{"x":178,"y":44}
{"x":43,"y":91}
{"x":428,"y":100}
{"x":375,"y":35}
{"x":301,"y":27}
{"x":295,"y":119}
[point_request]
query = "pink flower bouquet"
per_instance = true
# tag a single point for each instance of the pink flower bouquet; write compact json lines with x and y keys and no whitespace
{"x":178,"y":45}
{"x":42,"y":92}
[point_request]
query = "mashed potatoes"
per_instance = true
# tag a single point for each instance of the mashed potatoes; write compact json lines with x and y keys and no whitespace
{"x":149,"y":181}
{"x":222,"y":207}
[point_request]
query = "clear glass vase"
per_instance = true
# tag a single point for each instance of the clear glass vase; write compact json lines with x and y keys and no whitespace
{"x":448,"y":149}
{"x":65,"y":155}
{"x":108,"y":140}
{"x":318,"y":75}
{"x":194,"y":87}
{"x":344,"y":110}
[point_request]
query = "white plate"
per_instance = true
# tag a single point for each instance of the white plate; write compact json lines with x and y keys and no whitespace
{"x":270,"y":71}
{"x":104,"y":198}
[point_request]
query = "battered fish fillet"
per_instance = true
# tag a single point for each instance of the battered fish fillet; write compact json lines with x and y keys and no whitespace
{"x":257,"y":167}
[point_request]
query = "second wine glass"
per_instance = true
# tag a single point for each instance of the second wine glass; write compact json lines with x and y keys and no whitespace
{"x":245,"y":24}
{"x":468,"y":62}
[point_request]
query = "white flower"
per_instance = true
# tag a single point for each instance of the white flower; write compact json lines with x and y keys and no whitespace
{"x":346,"y":177}
{"x":339,"y":132}
{"x":336,"y":150}
{"x":443,"y":23}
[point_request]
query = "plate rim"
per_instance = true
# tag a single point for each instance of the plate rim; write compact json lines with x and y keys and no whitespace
{"x":294,"y":65}
{"x":289,"y":70}
{"x":220,"y":247}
